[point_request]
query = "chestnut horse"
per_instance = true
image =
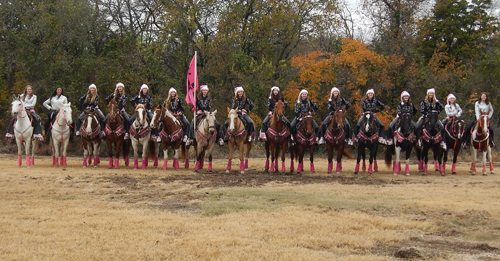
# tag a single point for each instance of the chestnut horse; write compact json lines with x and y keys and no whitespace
{"x":206,"y":134}
{"x":277,"y":138}
{"x":454,"y":130}
{"x":140,"y":134}
{"x":335,"y":139}
{"x":237,"y":136}
{"x":480,"y":138}
{"x":171,"y":134}
{"x":306,"y":139}
{"x":368,"y":139}
{"x":91,"y":139}
{"x":115,"y":133}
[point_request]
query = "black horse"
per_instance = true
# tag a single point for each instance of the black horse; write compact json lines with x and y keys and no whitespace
{"x":368,"y":139}
{"x":404,"y":139}
{"x":431,"y":137}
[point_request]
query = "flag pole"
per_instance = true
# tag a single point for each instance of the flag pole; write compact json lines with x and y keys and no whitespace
{"x":194,"y":93}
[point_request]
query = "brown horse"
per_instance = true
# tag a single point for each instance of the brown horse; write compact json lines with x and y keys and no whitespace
{"x":335,"y":139}
{"x":480,"y":138}
{"x":115,"y":133}
{"x":454,"y":130}
{"x":171,"y":134}
{"x":237,"y":136}
{"x":91,"y":140}
{"x":306,"y":139}
{"x":277,"y":138}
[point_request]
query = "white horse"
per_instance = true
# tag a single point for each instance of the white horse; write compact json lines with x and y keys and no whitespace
{"x":61,"y":130}
{"x":23,"y":131}
{"x":479,"y":142}
{"x":140,"y":133}
{"x":206,"y":135}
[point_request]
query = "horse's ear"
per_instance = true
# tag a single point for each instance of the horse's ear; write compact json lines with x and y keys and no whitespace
{"x":69,"y":104}
{"x":15,"y":97}
{"x":214,"y":112}
{"x":228,"y":110}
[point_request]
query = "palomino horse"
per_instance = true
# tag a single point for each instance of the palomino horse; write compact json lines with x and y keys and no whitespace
{"x":206,"y":134}
{"x":115,"y":133}
{"x":91,"y":140}
{"x":140,"y":134}
{"x":431,"y":137}
{"x":404,"y":138}
{"x":480,"y":138}
{"x":277,"y":138}
{"x":237,"y":136}
{"x":454,"y":130}
{"x":306,"y":139}
{"x":23,"y":131}
{"x":61,"y":133}
{"x":368,"y":139}
{"x":335,"y":139}
{"x":171,"y":134}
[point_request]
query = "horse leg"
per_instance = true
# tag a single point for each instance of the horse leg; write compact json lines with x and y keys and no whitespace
{"x":165,"y":155}
{"x":407,"y":167}
{"x":176,"y":158}
{"x":445,"y":158}
{"x":118,"y":148}
{"x":363,"y":154}
{"x":360,"y":149}
{"x":136,"y":154}
{"x":19,"y":152}
{"x":490,"y":159}
{"x":199,"y":155}
{"x":267,"y":147}
{"x":311,"y":157}
{"x":329,"y":148}
{"x":473,"y":152}
{"x":300,"y":151}
{"x":272,"y":152}
{"x":56,"y":153}
{"x":145,"y":147}
{"x":484,"y":162}
{"x":395,"y":166}
{"x":293,"y":152}
{"x":425,"y":156}
{"x":95,"y":151}
{"x":230,"y":144}
{"x":209,"y":152}
{"x":283,"y":152}
{"x":27,"y":147}
{"x":372,"y":156}
{"x":247,"y":148}
{"x":375,"y":164}
{"x":110,"y":152}
{"x":241,"y":148}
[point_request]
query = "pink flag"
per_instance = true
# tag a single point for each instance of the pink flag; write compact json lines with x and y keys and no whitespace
{"x":192,"y":83}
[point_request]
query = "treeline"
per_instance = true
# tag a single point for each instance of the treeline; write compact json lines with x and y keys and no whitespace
{"x":453,"y":46}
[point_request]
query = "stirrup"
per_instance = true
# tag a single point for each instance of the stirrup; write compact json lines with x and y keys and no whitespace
{"x":221,"y":142}
{"x":321,"y":141}
{"x":77,"y":133}
{"x":127,"y":136}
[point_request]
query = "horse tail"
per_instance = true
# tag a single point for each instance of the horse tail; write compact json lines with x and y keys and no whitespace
{"x":389,"y":151}
{"x":152,"y":149}
{"x":183,"y":151}
{"x":125,"y":148}
{"x":347,"y":153}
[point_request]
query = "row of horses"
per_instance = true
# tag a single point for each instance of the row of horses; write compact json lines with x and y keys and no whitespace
{"x":278,"y":137}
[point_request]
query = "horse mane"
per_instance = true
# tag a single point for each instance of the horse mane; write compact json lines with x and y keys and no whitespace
{"x":172,"y":117}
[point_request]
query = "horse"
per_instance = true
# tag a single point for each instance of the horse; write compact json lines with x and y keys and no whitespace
{"x":335,"y":139}
{"x":431,"y":137}
{"x":140,"y":134}
{"x":91,"y":139}
{"x":171,"y":134}
{"x":237,"y":136}
{"x":60,"y":134}
{"x":454,"y":130}
{"x":480,"y":138}
{"x":115,"y":133}
{"x":277,"y":138}
{"x":404,"y":139}
{"x":306,"y":139}
{"x":368,"y":139}
{"x":23,"y":131}
{"x":206,"y":135}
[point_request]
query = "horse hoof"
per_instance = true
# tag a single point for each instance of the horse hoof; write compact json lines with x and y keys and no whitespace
{"x":338,"y":173}
{"x":442,"y":175}
{"x":242,"y":172}
{"x":484,"y":174}
{"x":473,"y":173}
{"x":395,"y":174}
{"x":436,"y":170}
{"x":355,"y":173}
{"x":407,"y":174}
{"x":375,"y":170}
{"x":491,"y":172}
{"x":227,"y":171}
{"x":453,"y":173}
{"x":84,"y":167}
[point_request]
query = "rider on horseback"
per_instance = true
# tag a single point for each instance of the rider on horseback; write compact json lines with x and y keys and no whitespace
{"x":239,"y":103}
{"x":304,"y":105}
{"x":429,"y":104}
{"x":451,"y":108}
{"x":53,"y":104}
{"x":406,"y":106}
{"x":370,"y":104}
{"x":274,"y":97}
{"x":121,"y":98}
{"x":203,"y":103}
{"x":90,"y":101}
{"x":29,"y":101}
{"x":482,"y":106}
{"x":335,"y":103}
{"x":175,"y":106}
{"x":144,"y":98}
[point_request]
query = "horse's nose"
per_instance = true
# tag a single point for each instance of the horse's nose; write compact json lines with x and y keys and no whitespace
{"x":211,"y":131}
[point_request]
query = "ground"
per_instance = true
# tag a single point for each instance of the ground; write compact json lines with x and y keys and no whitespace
{"x":99,"y":213}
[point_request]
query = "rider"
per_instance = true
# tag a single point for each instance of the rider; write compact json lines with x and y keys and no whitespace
{"x":121,"y":98}
{"x":370,"y":104}
{"x":144,"y":98}
{"x":90,"y":101}
{"x":53,"y":104}
{"x":29,"y":101}
{"x":306,"y":106}
{"x":406,"y":106}
{"x":451,"y":108}
{"x":240,"y":101}
{"x":175,"y":106}
{"x":482,"y":106}
{"x":335,"y":103}
{"x":274,"y":97}
{"x":430,"y":103}
{"x":203,"y":103}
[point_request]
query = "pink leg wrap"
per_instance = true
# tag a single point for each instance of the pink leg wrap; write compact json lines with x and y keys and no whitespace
{"x":266,"y":167}
{"x":491,"y":166}
{"x":473,"y":167}
{"x":242,"y":166}
{"x":339,"y":166}
{"x":357,"y":168}
{"x":421,"y":165}
{"x":156,"y":162}
{"x":330,"y":167}
{"x":283,"y":168}
{"x":370,"y":170}
{"x":54,"y":160}
{"x":453,"y":167}
{"x":110,"y":162}
{"x":144,"y":163}
{"x":84,"y":161}
{"x":312,"y":167}
{"x":425,"y":169}
{"x":246,"y":163}
{"x":291,"y":165}
{"x":210,"y":166}
{"x":364,"y":166}
{"x":65,"y":163}
{"x":127,"y":160}
{"x":436,"y":165}
{"x":375,"y":165}
{"x":228,"y":166}
{"x":275,"y":164}
{"x":147,"y":161}
{"x":202,"y":163}
{"x":186,"y":163}
{"x":96,"y":161}
{"x":197,"y":165}
{"x":165,"y":164}
{"x":117,"y":161}
{"x":444,"y":167}
{"x":176,"y":164}
{"x":89,"y":161}
{"x":28,"y":161}
{"x":395,"y":168}
{"x":33,"y":160}
{"x":407,"y":169}
{"x":136,"y":163}
{"x":56,"y":164}
{"x":441,"y":168}
{"x":272,"y":166}
{"x":484,"y":168}
{"x":300,"y":167}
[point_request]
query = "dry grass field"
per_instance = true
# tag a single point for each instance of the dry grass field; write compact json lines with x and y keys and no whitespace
{"x":121,"y":214}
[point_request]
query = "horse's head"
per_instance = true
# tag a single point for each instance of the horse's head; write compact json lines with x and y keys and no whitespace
{"x":433,"y":119}
{"x":158,"y":116}
{"x":405,"y":126}
{"x":66,"y":113}
{"x":210,"y":117}
{"x":368,"y":124}
{"x":339,"y":117}
{"x":456,"y":127}
{"x":112,"y":110}
{"x":482,"y":124}
{"x":140,"y":114}
{"x":307,"y":126}
{"x":17,"y":106}
{"x":279,"y":109}
{"x":90,"y":122}
{"x":232,"y":117}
